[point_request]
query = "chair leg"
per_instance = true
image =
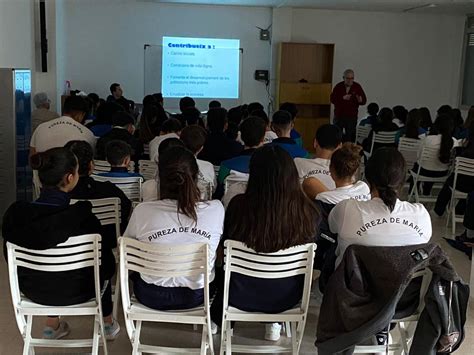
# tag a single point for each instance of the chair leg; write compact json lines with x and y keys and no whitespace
{"x":136,"y":338}
{"x":228,"y":339}
{"x":27,"y":339}
{"x":95,"y":335}
{"x":294,"y":339}
{"x":116,"y":295}
{"x":102,"y":334}
{"x":204,"y":343}
{"x":209,"y":334}
{"x":453,"y":217}
{"x":223,"y":338}
{"x":288,"y":329}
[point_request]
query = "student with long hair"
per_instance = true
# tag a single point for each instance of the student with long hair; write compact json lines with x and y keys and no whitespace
{"x":384,"y":220}
{"x":412,"y":128}
{"x":273,"y":214}
{"x":426,"y":121}
{"x":49,"y":221}
{"x":186,"y":220}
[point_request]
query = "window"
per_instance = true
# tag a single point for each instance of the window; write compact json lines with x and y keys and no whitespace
{"x":468,"y":77}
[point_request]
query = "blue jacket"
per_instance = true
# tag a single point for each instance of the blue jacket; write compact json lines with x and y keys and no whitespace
{"x":119,"y":172}
{"x":291,"y":147}
{"x":240,"y":163}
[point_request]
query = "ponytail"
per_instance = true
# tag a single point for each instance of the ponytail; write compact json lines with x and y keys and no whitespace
{"x":53,"y":165}
{"x":444,"y":126}
{"x":178,"y":171}
{"x":385,"y":172}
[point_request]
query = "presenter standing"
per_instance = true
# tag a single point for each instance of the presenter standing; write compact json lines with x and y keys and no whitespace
{"x":346,"y":97}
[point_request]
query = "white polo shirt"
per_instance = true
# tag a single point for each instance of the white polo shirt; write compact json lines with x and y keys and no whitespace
{"x":269,"y":137}
{"x":317,"y":168}
{"x":434,"y":141}
{"x":155,"y":143}
{"x":236,"y":183}
{"x":371,"y":223}
{"x":159,"y":223}
{"x":58,"y":132}
{"x":207,"y":174}
{"x":358,"y":191}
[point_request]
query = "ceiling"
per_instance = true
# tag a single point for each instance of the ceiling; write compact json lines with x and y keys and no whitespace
{"x":459,"y":7}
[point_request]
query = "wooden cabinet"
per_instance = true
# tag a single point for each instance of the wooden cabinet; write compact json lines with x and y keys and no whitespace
{"x":305,"y":79}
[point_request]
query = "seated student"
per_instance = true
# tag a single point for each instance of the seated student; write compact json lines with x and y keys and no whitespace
{"x":293,"y":110}
{"x":464,"y":183}
{"x":282,"y":125}
{"x":218,"y":146}
{"x":328,"y":138}
{"x":152,"y":118}
{"x":194,"y":138}
{"x":103,"y":121}
{"x":214,"y":104}
{"x":178,"y":209}
{"x":118,"y":156}
{"x":123,"y":129}
{"x":49,"y":221}
{"x":384,"y":124}
{"x":171,"y":128}
{"x":191,"y":116}
{"x":232,"y":132}
{"x":400,"y":114}
{"x":269,"y":134}
{"x":151,"y":188}
{"x":412,"y":127}
{"x":384,"y":220}
{"x":273,"y":214}
{"x":460,"y":130}
{"x":372,"y":111}
{"x":426,"y":121}
{"x":88,"y":189}
{"x":440,"y":138}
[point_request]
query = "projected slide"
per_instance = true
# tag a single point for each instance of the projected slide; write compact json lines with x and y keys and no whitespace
{"x":200,"y":67}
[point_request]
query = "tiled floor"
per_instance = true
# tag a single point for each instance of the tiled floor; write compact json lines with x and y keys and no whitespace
{"x":11,"y":342}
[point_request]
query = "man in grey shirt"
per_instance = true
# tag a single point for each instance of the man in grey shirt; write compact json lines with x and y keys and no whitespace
{"x":42,"y":112}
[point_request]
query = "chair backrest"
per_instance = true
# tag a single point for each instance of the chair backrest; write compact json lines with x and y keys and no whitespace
{"x":410,"y":149}
{"x":103,"y":166}
{"x":131,"y":186}
{"x":232,"y":180}
{"x":107,"y":211}
{"x":147,"y":168}
{"x":362,"y":132}
{"x":76,"y":253}
{"x":146,"y":149}
{"x":383,"y":138}
{"x":206,"y":189}
{"x":290,"y":262}
{"x":463,"y":166}
{"x":428,"y":154}
{"x":158,"y":260}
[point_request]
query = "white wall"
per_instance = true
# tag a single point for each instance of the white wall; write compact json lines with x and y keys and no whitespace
{"x":103,"y":40}
{"x":408,"y":59}
{"x":16,"y":34}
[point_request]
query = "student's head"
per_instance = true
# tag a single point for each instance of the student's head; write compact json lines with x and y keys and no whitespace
{"x":149,"y":100}
{"x":171,"y":125}
{"x":57,"y":169}
{"x":372,"y":109}
{"x":118,"y":153}
{"x":328,"y":137}
{"x":95,"y":100}
{"x":178,"y":172}
{"x":193,"y":138}
{"x":232,"y":131}
{"x":186,"y":102}
{"x":263,"y":115}
{"x":291,"y":108}
{"x":252,"y":131}
{"x":169,"y":143}
{"x":457,"y":117}
{"x":235,"y":115}
{"x":214,"y":104}
{"x":159,"y":98}
{"x":413,"y":124}
{"x":400,"y":112}
{"x":385,"y":172}
{"x":385,"y":115}
{"x":278,"y":214}
{"x":469,"y":118}
{"x":151,"y":121}
{"x":41,"y":100}
{"x":426,"y":121}
{"x":106,"y":111}
{"x":76,"y":107}
{"x":85,"y":156}
{"x":125,"y":120}
{"x":253,"y":106}
{"x":348,"y":77}
{"x":116,"y":90}
{"x":282,"y":123}
{"x":444,"y":110}
{"x":345,"y":162}
{"x":444,"y":126}
{"x":191,"y":116}
{"x":217,"y":120}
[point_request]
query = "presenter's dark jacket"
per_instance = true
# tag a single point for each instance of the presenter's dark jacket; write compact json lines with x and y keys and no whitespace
{"x":89,"y":189}
{"x":44,"y":224}
{"x":347,"y":108}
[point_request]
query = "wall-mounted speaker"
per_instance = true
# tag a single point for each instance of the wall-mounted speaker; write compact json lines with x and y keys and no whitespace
{"x":43,"y":39}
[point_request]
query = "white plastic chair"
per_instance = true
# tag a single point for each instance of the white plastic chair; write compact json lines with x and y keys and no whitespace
{"x":383,"y":138}
{"x":147,"y":168}
{"x":108,"y":212}
{"x":462,"y":166}
{"x":234,"y":184}
{"x":410,"y":149}
{"x":284,"y":263}
{"x":362,"y":132}
{"x":206,"y":189}
{"x":76,"y":253}
{"x":428,"y":154}
{"x":146,"y":149}
{"x":103,"y":166}
{"x":405,"y":326}
{"x":131,"y":186}
{"x":164,"y":261}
